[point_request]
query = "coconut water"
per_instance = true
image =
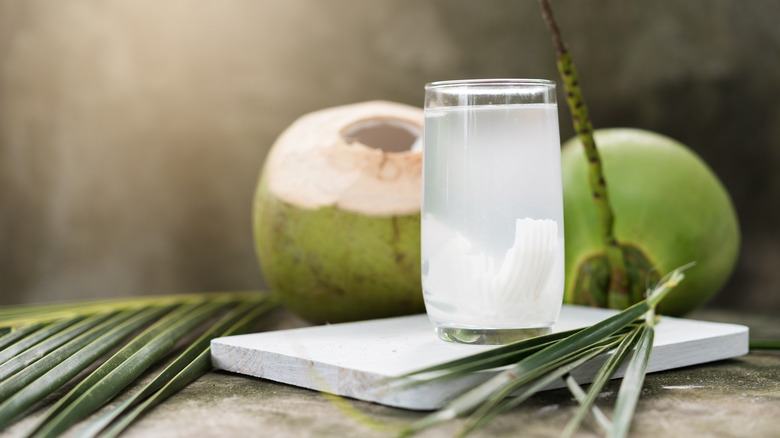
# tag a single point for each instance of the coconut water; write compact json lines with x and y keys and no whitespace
{"x":492,"y":216}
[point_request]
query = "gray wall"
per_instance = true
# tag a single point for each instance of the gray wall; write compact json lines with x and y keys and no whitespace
{"x":132,"y":132}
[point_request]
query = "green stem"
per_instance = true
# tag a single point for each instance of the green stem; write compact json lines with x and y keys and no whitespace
{"x":618,"y":296}
{"x":765,"y":344}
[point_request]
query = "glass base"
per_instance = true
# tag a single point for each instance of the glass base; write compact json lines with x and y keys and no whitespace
{"x":489,"y":336}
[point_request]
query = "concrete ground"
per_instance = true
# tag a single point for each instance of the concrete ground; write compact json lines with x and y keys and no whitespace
{"x":731,"y":398}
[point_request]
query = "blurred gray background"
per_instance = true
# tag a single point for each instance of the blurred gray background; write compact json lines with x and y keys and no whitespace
{"x":132,"y":132}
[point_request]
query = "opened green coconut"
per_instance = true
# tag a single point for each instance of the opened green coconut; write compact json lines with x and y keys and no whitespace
{"x":337,"y":213}
{"x":670,"y":209}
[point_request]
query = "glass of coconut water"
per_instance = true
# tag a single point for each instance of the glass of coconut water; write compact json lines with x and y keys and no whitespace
{"x":492,"y":212}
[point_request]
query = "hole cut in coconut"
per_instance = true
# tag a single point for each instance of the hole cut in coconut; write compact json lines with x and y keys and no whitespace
{"x":388,"y":135}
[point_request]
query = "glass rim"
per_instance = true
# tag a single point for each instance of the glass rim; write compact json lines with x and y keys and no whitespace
{"x":499,"y":82}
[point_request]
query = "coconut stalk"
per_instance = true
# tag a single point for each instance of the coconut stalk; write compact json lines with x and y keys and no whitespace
{"x":618,"y":292}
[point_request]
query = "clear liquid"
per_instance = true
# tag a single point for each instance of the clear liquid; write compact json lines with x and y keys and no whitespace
{"x":492,"y":217}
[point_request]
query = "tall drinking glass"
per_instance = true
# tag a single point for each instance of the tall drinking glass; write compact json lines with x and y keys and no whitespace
{"x":492,"y":213}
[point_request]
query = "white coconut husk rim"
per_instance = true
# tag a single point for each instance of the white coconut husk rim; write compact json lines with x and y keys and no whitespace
{"x":357,"y":158}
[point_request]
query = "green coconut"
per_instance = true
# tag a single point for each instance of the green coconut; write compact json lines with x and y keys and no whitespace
{"x":337,"y":213}
{"x":670,"y":210}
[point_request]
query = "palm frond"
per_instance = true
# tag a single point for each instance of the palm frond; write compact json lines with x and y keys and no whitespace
{"x":602,"y":377}
{"x":550,"y":359}
{"x":63,"y":368}
{"x":42,"y":348}
{"x":580,"y":395}
{"x":22,"y":354}
{"x":765,"y":344}
{"x":17,"y":332}
{"x":123,"y":367}
{"x":501,"y":402}
{"x":631,"y":387}
{"x":189,"y":365}
{"x":40,"y":335}
{"x":494,"y":358}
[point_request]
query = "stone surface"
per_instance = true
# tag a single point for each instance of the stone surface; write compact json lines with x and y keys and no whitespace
{"x":737,"y":397}
{"x":731,"y":398}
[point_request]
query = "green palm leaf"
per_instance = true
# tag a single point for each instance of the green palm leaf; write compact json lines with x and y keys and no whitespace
{"x":605,"y":373}
{"x":10,"y":386}
{"x":765,"y":344}
{"x":16,"y":333}
{"x":193,"y":370}
{"x":20,"y":355}
{"x":123,"y":367}
{"x":580,"y":396}
{"x":65,"y":366}
{"x":44,"y":347}
{"x":631,"y":387}
{"x":633,"y":327}
{"x":188,"y":368}
{"x":34,"y":338}
{"x":494,"y":358}
{"x":530,"y":385}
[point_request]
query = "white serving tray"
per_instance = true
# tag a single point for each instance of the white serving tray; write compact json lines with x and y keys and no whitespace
{"x":355,"y":359}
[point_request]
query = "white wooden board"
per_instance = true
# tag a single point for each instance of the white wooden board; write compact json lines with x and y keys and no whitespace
{"x":354,"y":359}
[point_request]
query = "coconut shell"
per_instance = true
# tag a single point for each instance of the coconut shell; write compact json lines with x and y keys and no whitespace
{"x":337,"y":220}
{"x":668,"y":204}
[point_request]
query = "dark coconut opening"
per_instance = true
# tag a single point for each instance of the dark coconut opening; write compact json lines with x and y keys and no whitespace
{"x":388,"y":135}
